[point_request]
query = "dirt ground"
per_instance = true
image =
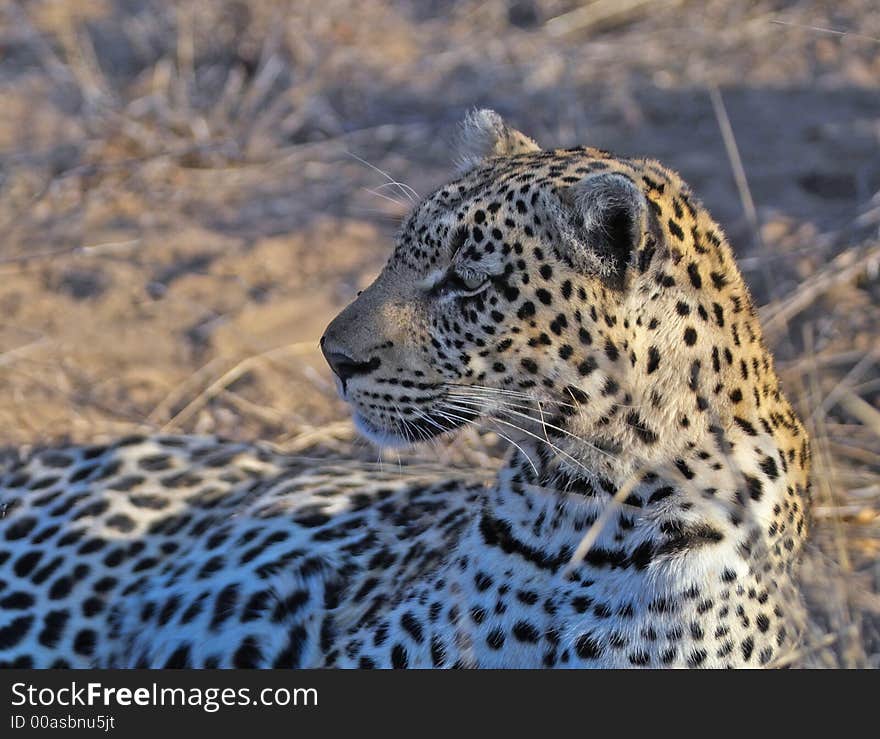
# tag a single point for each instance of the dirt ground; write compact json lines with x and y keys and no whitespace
{"x":190,"y":190}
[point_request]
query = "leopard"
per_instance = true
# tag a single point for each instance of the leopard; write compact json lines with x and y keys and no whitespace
{"x":585,"y":311}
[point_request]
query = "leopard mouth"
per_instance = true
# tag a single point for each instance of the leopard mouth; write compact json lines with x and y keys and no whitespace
{"x":412,"y":430}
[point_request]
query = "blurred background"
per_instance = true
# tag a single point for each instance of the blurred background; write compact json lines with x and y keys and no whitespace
{"x":190,"y":190}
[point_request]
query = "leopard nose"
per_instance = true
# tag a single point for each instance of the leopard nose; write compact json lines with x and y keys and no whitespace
{"x":344,"y":366}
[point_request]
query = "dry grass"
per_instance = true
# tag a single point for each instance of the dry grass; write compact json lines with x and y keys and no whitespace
{"x":184,"y":204}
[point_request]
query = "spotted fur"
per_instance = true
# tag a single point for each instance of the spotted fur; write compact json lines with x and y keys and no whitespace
{"x":651,"y":512}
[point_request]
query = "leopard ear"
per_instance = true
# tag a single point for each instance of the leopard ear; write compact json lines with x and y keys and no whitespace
{"x":605,"y":219}
{"x":484,"y":134}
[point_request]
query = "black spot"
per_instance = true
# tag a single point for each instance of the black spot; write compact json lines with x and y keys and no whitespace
{"x":399,"y":659}
{"x":26,"y":562}
{"x":610,"y":387}
{"x":438,"y":652}
{"x":105,"y":584}
{"x":586,"y":647}
{"x":14,"y":632}
{"x":256,"y":605}
{"x":653,"y":359}
{"x":495,"y":639}
{"x":84,"y":643}
{"x":768,"y":467}
{"x":660,"y":494}
{"x":60,"y":588}
{"x":312,"y":519}
{"x":17,"y":601}
{"x":558,"y":324}
{"x":587,"y":366}
{"x":155,"y":462}
{"x":53,"y":627}
{"x":248,"y":655}
{"x":526,"y":310}
{"x":642,"y":555}
{"x":611,"y":350}
{"x":763,"y":622}
{"x":755,"y":486}
{"x":645,"y":434}
{"x":684,"y":469}
{"x":690,"y":336}
{"x":602,"y":557}
{"x":291,"y":655}
{"x":153,"y":502}
{"x":411,"y":625}
{"x":21,"y":528}
{"x":601,"y":610}
{"x":211,"y":566}
{"x":579,"y":395}
{"x":179,"y":658}
{"x":120,"y":522}
{"x":92,"y":606}
{"x":224,"y":605}
{"x":525,"y":632}
{"x":290,"y":605}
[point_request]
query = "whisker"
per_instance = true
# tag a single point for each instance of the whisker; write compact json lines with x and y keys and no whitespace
{"x":408,"y":192}
{"x":545,"y":441}
{"x":390,"y":184}
{"x":546,"y":425}
{"x":495,"y":399}
{"x":385,"y":197}
{"x":477,"y":397}
{"x":495,"y":431}
{"x":426,"y":417}
{"x":489,"y":402}
{"x":486,"y":388}
{"x":478,"y":390}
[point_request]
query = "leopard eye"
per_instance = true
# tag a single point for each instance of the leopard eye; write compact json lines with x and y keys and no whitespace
{"x":456,"y":284}
{"x":470,"y":281}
